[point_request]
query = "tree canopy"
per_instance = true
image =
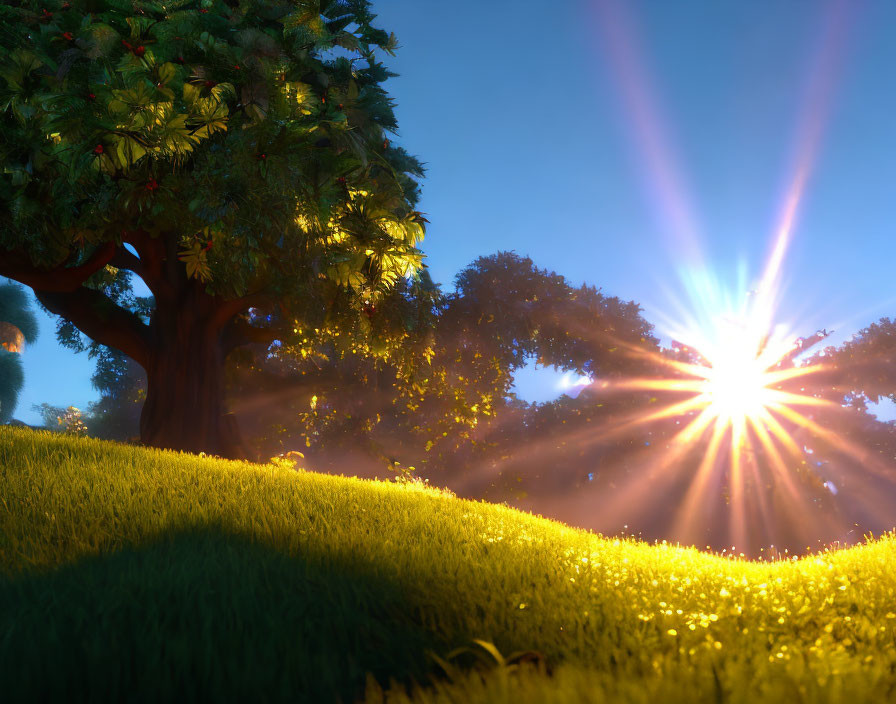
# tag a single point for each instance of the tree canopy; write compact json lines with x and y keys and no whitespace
{"x":437,"y":372}
{"x":863,"y":368}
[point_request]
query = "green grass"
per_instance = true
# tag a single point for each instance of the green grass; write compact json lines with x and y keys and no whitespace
{"x":139,"y":575}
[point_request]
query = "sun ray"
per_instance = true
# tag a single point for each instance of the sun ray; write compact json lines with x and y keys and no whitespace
{"x":742,"y":379}
{"x":695,"y":505}
{"x":765,"y":428}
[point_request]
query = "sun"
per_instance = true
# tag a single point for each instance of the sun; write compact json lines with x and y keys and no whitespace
{"x":736,"y":386}
{"x":736,"y":372}
{"x":736,"y":382}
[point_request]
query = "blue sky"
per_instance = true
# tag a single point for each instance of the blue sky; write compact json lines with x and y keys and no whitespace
{"x":523,"y":113}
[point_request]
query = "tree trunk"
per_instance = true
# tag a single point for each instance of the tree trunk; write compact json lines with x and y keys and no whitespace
{"x":182,"y":348}
{"x":185,"y":406}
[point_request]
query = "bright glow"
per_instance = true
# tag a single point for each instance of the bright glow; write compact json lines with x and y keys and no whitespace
{"x":571,"y":381}
{"x":736,"y":383}
{"x":11,"y":338}
{"x":736,"y":361}
{"x":734,"y":366}
{"x":730,"y":384}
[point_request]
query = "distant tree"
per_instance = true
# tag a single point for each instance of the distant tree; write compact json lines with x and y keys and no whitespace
{"x":506,"y":312}
{"x":20,"y":323}
{"x":121,"y":383}
{"x":578,"y":458}
{"x":18,"y":326}
{"x":68,"y":420}
{"x":49,"y":415}
{"x":335,"y":390}
{"x":863,"y":368}
{"x":12,"y":378}
{"x":438,"y":372}
{"x":234,"y":156}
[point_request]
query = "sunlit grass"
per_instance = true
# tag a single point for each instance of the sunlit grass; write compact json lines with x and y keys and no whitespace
{"x":140,"y":574}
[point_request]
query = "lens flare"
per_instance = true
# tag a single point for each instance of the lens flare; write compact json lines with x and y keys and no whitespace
{"x":736,"y":383}
{"x":739,"y":365}
{"x":735,"y":372}
{"x":731,"y":384}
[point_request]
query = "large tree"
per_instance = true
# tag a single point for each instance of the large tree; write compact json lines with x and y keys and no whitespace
{"x":234,"y":156}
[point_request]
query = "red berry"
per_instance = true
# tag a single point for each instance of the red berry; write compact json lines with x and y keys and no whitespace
{"x":140,"y":51}
{"x":262,"y":156}
{"x":98,"y":149}
{"x":179,"y":60}
{"x":45,"y":16}
{"x":152,"y":185}
{"x":339,"y":107}
{"x":203,"y":10}
{"x":91,"y":96}
{"x":66,"y":6}
{"x":341,"y":180}
{"x":236,"y":67}
{"x":67,"y":36}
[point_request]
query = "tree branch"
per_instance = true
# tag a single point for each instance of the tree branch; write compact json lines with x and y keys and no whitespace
{"x":151,"y":253}
{"x":803,"y":344}
{"x":123,"y":259}
{"x":100,"y":319}
{"x":17,"y":265}
{"x":226,"y":310}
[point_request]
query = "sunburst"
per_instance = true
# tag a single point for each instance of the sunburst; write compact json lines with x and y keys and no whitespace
{"x":739,"y":374}
{"x":736,"y":368}
{"x":733,"y":383}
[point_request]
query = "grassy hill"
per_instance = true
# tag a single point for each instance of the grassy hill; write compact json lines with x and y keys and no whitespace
{"x":140,"y":575}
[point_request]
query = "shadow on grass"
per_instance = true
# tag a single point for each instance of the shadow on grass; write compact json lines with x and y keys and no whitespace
{"x":204,"y":616}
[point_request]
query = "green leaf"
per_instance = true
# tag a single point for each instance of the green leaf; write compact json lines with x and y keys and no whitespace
{"x":128,"y":152}
{"x":167,"y":71}
{"x":196,"y":261}
{"x":347,"y":41}
{"x":191,"y":93}
{"x":138,"y":26}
